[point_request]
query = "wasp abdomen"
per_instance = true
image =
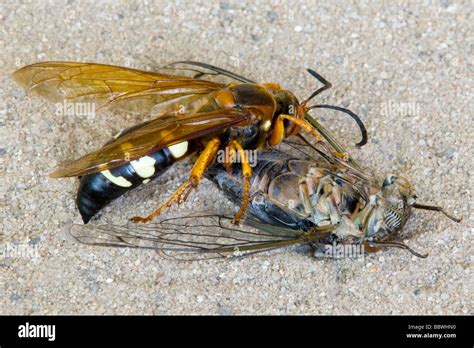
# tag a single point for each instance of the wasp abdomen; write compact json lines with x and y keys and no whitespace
{"x":99,"y":189}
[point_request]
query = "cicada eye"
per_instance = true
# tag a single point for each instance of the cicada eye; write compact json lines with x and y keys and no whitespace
{"x":389,"y":180}
{"x":406,"y":189}
{"x":401,"y":205}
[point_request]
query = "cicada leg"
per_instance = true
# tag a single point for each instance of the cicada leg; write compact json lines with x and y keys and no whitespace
{"x":247,"y":175}
{"x":371,"y":249}
{"x":181,"y":194}
{"x":305,"y":197}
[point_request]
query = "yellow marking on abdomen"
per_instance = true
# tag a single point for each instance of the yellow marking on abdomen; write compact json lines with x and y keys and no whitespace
{"x":179,"y":150}
{"x":117,"y":180}
{"x":144,"y":166}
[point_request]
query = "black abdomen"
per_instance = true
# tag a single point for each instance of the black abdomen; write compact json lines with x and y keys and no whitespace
{"x":99,"y":189}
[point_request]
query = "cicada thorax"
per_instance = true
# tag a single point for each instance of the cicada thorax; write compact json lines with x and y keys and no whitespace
{"x":289,"y":192}
{"x":268,"y":166}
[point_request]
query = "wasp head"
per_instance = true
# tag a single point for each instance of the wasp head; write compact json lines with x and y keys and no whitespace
{"x":288,"y":104}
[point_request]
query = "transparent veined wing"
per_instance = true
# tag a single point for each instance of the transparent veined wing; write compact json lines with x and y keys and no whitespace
{"x":198,"y":236}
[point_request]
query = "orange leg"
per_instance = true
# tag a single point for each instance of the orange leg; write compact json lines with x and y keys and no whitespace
{"x":229,"y":158}
{"x":181,"y":194}
{"x":303,"y":124}
{"x":247,"y":174}
{"x":278,"y":133}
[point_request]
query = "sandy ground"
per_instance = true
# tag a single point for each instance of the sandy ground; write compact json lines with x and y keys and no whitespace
{"x":405,"y":67}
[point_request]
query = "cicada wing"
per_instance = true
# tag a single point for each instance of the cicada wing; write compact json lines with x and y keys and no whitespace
{"x":193,"y":237}
{"x":137,"y":91}
{"x":323,"y":154}
{"x":151,"y":137}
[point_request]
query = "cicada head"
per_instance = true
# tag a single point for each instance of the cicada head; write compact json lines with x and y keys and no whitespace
{"x":391,"y":208}
{"x":387,"y":212}
{"x":398,"y":188}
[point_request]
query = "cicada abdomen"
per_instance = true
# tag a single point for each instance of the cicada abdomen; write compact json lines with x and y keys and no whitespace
{"x":293,"y":193}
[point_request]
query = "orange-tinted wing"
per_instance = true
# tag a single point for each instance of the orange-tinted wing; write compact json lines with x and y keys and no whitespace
{"x":107,"y":85}
{"x":152,"y":136}
{"x":206,"y":71}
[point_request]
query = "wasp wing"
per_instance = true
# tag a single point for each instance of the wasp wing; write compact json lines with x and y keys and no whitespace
{"x":199,"y":70}
{"x":141,"y":92}
{"x":150,"y":137}
{"x":195,"y":236}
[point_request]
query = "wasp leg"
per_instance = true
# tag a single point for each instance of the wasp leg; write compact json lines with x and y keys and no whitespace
{"x":229,"y":158}
{"x":278,"y":133}
{"x":247,"y":174}
{"x":181,"y":194}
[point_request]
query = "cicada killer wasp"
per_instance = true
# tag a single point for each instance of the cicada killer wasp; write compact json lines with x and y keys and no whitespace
{"x":189,"y":115}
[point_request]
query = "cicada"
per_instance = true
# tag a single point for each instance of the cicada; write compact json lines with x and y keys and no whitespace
{"x":320,"y":201}
{"x":187,"y":115}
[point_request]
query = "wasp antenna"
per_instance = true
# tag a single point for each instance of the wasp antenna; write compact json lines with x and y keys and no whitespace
{"x":356,"y":118}
{"x":394,"y":244}
{"x":434,"y":208}
{"x":321,"y":79}
{"x":215,"y":69}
